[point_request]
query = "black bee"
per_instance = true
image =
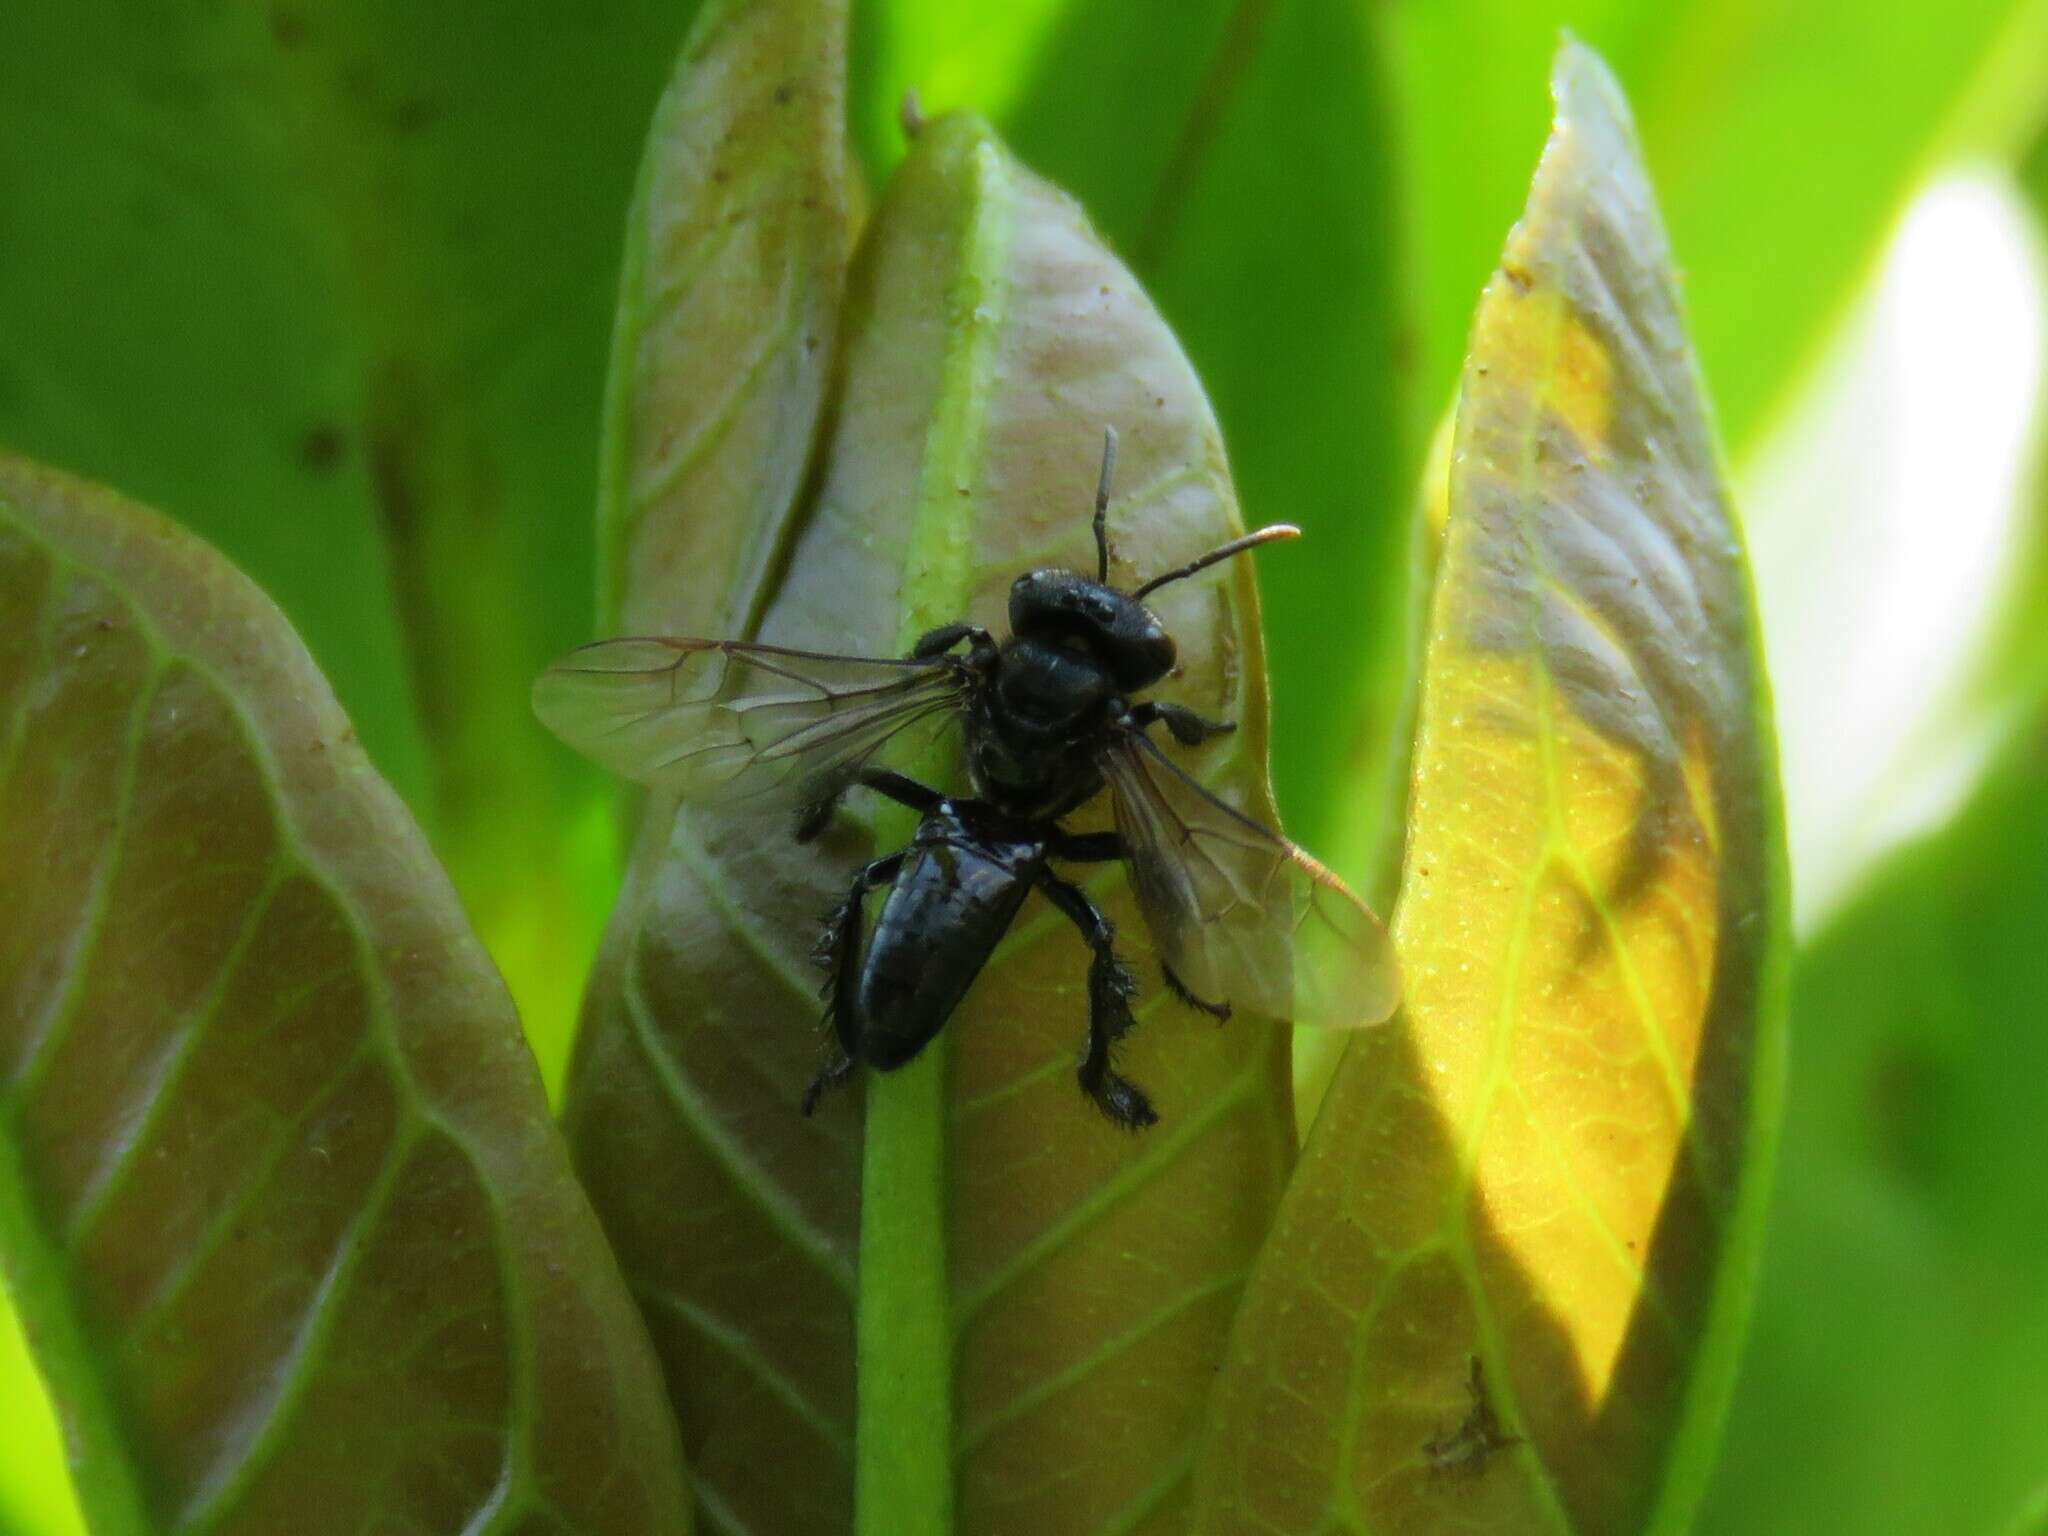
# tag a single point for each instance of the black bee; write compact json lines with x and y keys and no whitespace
{"x":1240,"y":917}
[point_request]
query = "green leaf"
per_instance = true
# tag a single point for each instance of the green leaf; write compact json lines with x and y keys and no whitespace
{"x":34,"y":1490}
{"x":1507,"y":1283}
{"x":1033,"y":1288}
{"x":975,"y":58}
{"x":2015,"y":678}
{"x":1785,"y":138}
{"x":1899,"y":1338}
{"x":329,"y":283}
{"x":736,"y":247}
{"x":1171,"y":122}
{"x":728,"y":315}
{"x":280,"y":1203}
{"x":1899,"y":1341}
{"x":1168,"y":121}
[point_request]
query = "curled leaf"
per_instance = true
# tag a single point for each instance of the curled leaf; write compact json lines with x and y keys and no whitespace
{"x":728,"y":310}
{"x":1041,"y":1334}
{"x":1814,"y":123}
{"x":1507,"y":1283}
{"x":280,"y":1202}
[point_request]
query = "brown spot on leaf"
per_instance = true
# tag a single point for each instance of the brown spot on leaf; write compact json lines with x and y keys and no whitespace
{"x":415,"y":114}
{"x":398,"y":507}
{"x":321,"y":448}
{"x":1403,"y":349}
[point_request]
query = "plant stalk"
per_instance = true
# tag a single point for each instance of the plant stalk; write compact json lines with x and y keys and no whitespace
{"x":903,"y":1441}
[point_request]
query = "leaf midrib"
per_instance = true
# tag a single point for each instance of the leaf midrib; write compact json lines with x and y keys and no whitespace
{"x":905,"y":1341}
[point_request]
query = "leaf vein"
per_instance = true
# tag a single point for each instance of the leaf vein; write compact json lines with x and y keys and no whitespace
{"x":59,"y":1010}
{"x":109,"y":1179}
{"x":744,"y":1352}
{"x":1105,"y":1197}
{"x":747,"y":1180}
{"x":1045,"y":1389}
{"x":212,"y":1501}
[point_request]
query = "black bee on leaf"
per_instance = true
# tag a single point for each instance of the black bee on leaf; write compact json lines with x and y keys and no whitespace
{"x":1239,"y":916}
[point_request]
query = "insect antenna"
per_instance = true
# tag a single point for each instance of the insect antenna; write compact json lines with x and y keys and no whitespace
{"x":1102,"y":505}
{"x":1222,"y":552}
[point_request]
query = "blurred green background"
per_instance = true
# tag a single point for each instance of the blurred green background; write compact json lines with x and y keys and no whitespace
{"x":331,"y":281}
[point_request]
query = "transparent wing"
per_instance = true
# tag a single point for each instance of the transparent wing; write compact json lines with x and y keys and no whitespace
{"x":722,"y":722}
{"x":1240,"y":914}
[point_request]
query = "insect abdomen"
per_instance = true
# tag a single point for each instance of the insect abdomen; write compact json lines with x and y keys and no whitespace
{"x":951,"y":904}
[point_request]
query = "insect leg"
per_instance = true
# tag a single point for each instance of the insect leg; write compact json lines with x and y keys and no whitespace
{"x":1189,"y":728}
{"x":838,"y":951}
{"x":921,"y":798}
{"x":837,"y":1069}
{"x":1110,"y":986}
{"x":812,"y":819}
{"x":815,"y":817}
{"x":1087,"y":847}
{"x":1180,"y":989}
{"x":936,"y":642}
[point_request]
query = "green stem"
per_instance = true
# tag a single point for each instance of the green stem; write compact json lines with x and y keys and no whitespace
{"x":903,"y":1479}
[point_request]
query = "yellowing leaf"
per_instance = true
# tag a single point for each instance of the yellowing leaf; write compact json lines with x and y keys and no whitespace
{"x":293,"y":1238}
{"x":1508,"y":1279}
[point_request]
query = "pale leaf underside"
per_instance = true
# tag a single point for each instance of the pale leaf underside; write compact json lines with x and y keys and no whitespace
{"x":279,"y":1196}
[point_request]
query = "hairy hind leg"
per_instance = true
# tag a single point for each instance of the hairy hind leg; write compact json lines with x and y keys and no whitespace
{"x":838,"y":951}
{"x":838,"y":1069}
{"x":1110,"y":987}
{"x":1101,"y":848}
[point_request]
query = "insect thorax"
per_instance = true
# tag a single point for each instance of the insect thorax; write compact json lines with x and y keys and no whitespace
{"x":1032,"y":738}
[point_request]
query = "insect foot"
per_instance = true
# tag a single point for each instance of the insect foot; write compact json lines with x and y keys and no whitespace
{"x":837,"y":1069}
{"x":1123,"y":1101}
{"x":826,"y":948}
{"x":812,"y":819}
{"x":1111,"y":986}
